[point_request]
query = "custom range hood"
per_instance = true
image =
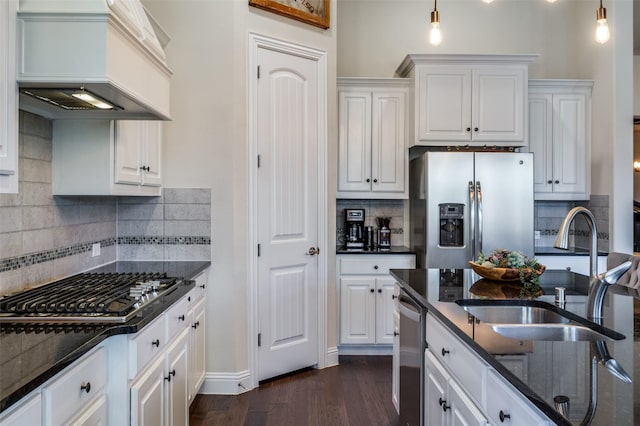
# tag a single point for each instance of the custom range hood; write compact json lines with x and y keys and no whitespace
{"x":92,"y":59}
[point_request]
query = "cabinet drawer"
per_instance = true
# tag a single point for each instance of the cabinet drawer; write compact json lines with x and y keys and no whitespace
{"x":469,"y":370}
{"x":503,"y":399}
{"x":177,"y":316}
{"x":146,"y":344}
{"x":200,"y":288}
{"x":75,"y":388}
{"x":375,"y":265}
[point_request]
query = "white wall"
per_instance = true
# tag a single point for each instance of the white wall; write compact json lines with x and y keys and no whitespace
{"x":374,"y":36}
{"x":206,"y":144}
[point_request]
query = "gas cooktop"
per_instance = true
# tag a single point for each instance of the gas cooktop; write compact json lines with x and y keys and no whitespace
{"x":88,"y":297}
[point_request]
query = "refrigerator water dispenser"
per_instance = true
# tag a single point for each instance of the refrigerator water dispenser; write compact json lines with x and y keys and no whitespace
{"x":451,"y":225}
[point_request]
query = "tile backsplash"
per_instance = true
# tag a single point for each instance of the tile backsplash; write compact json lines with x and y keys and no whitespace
{"x":45,"y":237}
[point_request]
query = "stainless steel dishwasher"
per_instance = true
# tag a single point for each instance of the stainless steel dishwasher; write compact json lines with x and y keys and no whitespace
{"x":412,"y":347}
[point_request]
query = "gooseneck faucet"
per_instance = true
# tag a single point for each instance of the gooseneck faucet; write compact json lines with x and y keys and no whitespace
{"x":598,"y":284}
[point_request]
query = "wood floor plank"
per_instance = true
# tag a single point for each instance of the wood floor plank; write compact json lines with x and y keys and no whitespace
{"x":357,"y":392}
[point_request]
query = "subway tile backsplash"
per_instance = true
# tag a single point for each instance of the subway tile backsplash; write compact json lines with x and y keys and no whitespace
{"x":45,"y":237}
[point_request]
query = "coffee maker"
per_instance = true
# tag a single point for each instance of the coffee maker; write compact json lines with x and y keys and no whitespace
{"x":354,"y":229}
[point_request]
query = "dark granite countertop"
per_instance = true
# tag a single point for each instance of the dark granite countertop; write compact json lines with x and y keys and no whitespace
{"x":392,"y":250}
{"x":572,"y":251}
{"x":541,"y":370}
{"x":32,"y":353}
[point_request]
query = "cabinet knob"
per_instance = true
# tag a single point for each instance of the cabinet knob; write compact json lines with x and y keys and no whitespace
{"x":549,"y":182}
{"x":201,"y":286}
{"x":557,"y":182}
{"x":195,"y":324}
{"x":156,"y":343}
{"x":503,"y":416}
{"x":375,"y":267}
{"x":368,"y":180}
{"x":172,"y":373}
{"x":375,"y":181}
{"x":468,"y":129}
{"x":86,"y":388}
{"x":372,"y":290}
{"x":181,"y":317}
{"x":444,"y":351}
{"x":475,"y":129}
{"x":379,"y":290}
{"x":393,"y":297}
{"x":395,"y":333}
{"x":145,"y":168}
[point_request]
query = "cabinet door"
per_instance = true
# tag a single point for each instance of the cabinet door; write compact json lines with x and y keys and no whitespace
{"x":197,"y":349}
{"x":357,"y":310}
{"x":354,"y":141}
{"x":498,"y":104}
{"x":8,"y":98}
{"x":129,"y":135}
{"x":94,"y":415}
{"x":444,"y":103}
{"x":385,"y":308}
{"x":177,"y":363}
{"x":463,"y":411}
{"x":151,"y":154}
{"x":541,"y":141}
{"x":569,"y":144}
{"x":395,"y":362}
{"x":148,"y":396}
{"x":435,"y":385}
{"x":26,"y":412}
{"x":388,"y":156}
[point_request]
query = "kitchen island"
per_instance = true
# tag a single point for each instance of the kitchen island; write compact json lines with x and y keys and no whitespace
{"x":32,"y":353}
{"x":537,"y":371}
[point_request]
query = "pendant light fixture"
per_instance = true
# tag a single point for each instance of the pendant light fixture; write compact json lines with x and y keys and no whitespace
{"x":602,"y":29}
{"x":435,"y":36}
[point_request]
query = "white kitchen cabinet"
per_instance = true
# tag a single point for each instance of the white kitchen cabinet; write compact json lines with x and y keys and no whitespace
{"x":73,"y":396}
{"x":367,"y":294}
{"x":445,"y":401}
{"x":372,"y":141}
{"x":197,"y":337}
{"x":506,"y":407}
{"x":395,"y":359}
{"x":560,"y":138}
{"x":26,"y":412}
{"x":159,"y":395}
{"x":472,"y":100}
{"x":94,"y":415}
{"x":102,"y":157}
{"x":8,"y":98}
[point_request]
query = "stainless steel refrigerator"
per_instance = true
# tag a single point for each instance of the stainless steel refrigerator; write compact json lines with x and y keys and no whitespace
{"x":464,"y":203}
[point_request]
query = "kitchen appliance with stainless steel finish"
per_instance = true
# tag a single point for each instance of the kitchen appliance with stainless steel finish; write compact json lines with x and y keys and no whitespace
{"x":88,"y":297}
{"x":464,"y":203}
{"x":354,"y":229}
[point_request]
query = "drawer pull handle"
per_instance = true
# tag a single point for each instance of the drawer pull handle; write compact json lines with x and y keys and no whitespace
{"x":393,"y":297}
{"x":395,"y":333}
{"x":375,"y":267}
{"x":181,"y":317}
{"x":86,"y":388}
{"x":504,"y":416}
{"x":196,"y":324}
{"x":444,"y":351}
{"x":201,"y":286}
{"x":156,"y":343}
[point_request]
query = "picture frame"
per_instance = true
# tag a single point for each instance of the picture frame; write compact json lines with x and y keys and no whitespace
{"x":313,"y":12}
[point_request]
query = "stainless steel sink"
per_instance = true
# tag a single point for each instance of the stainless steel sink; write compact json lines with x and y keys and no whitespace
{"x":535,"y":320}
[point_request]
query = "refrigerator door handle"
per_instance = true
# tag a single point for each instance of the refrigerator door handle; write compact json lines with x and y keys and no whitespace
{"x":472,"y":221}
{"x":479,"y":196}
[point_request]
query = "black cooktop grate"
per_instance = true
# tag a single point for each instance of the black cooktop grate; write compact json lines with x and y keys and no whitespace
{"x":95,"y":294}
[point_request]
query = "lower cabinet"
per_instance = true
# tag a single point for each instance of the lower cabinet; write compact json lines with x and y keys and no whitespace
{"x":197,"y":349}
{"x":159,"y":395}
{"x":462,"y":389}
{"x":395,"y":361}
{"x":445,"y":401}
{"x":27,"y":412}
{"x":367,"y":298}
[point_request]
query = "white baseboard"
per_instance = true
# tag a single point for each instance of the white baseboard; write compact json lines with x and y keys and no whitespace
{"x":226,"y":383}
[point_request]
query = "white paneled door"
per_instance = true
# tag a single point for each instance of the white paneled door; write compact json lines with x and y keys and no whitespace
{"x":287,"y":211}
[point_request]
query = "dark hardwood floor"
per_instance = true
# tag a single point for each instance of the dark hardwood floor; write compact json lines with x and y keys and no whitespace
{"x":356,"y":393}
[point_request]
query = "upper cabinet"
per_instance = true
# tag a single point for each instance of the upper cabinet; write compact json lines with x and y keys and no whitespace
{"x":98,"y":157}
{"x":8,"y":98}
{"x":471,"y":100}
{"x":560,"y":138}
{"x":373,"y":130}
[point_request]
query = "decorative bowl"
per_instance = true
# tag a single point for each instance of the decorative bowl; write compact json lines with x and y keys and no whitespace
{"x":503,"y":274}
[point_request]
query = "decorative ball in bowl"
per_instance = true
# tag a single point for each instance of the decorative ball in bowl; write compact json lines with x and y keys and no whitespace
{"x":504,"y":274}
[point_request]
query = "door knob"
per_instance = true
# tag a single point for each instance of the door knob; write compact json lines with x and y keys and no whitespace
{"x":313,"y":251}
